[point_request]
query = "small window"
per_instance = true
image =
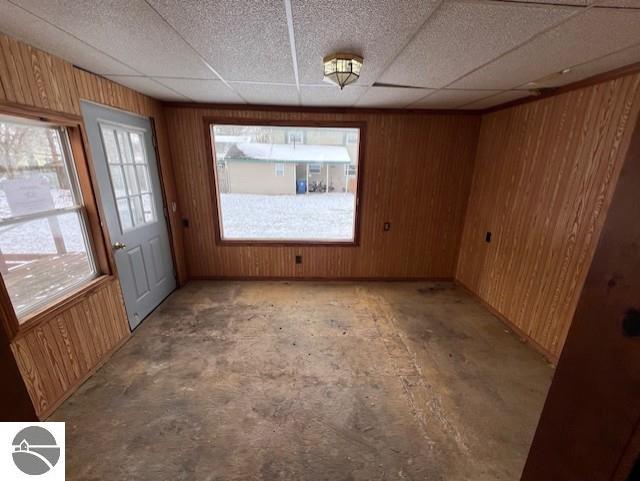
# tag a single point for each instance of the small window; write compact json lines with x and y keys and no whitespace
{"x":308,"y":200}
{"x":351,"y":170}
{"x":129,"y":171}
{"x":44,"y":245}
{"x":315,"y":168}
{"x":295,"y":137}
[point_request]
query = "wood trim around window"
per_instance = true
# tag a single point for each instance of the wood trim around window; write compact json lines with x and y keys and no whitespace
{"x":215,"y":199}
{"x":98,"y":236}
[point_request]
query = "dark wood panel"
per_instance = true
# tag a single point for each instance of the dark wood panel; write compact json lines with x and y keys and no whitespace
{"x":545,"y":173}
{"x":588,"y":430}
{"x":417,"y":175}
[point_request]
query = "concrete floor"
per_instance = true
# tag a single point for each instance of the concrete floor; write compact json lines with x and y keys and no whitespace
{"x":310,"y":381}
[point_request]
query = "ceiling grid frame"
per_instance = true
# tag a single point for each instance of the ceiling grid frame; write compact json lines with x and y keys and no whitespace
{"x":174,"y":85}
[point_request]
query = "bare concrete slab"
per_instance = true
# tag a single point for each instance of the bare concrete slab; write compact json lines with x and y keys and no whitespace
{"x":310,"y":381}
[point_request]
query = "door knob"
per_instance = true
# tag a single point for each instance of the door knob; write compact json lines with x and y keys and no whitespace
{"x":118,"y":246}
{"x":631,"y":323}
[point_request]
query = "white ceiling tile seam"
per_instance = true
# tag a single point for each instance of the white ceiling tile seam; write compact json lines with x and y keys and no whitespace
{"x":75,"y":37}
{"x":200,"y":56}
{"x":580,"y":11}
{"x":401,"y":49}
{"x":292,"y":46}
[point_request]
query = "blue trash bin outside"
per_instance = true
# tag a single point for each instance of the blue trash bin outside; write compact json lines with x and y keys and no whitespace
{"x":302,"y":186}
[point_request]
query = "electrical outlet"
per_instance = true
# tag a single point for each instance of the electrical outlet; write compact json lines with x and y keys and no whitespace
{"x":487,"y":237}
{"x":298,"y":259}
{"x":387,"y":226}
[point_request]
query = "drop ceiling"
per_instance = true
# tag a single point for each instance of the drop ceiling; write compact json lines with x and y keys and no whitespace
{"x":419,"y":54}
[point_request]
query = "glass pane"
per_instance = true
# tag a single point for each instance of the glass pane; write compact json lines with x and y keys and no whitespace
{"x":132,"y":184}
{"x":311,"y":197}
{"x":41,"y":259}
{"x":110,"y":145}
{"x":136,"y":210}
{"x":117,"y":180}
{"x":143,"y":178}
{"x":33,"y":171}
{"x":125,"y":147}
{"x":138,"y":151}
{"x":125,"y":214}
{"x":147,"y":206}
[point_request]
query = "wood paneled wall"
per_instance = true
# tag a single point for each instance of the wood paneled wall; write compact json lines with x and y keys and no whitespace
{"x":417,"y":172}
{"x":33,"y":78}
{"x":545,"y":172}
{"x":59,"y":354}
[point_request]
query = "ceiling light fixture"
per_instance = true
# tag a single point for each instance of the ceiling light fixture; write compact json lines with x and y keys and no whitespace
{"x":342,"y":69}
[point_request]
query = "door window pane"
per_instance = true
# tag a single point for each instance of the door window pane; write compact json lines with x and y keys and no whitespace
{"x":147,"y":206}
{"x":124,"y":213}
{"x":117,"y":177}
{"x":136,"y":209}
{"x":111,"y":146}
{"x":132,"y":183}
{"x":143,"y":178}
{"x":132,"y":179}
{"x":44,"y":247}
{"x":136,"y":144}
{"x":311,"y":197}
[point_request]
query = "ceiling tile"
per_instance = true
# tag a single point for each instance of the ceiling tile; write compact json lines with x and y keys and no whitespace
{"x":586,"y":37}
{"x":375,"y":30}
{"x":267,"y":94}
{"x":200,"y":90}
{"x":463,"y":35}
{"x":25,"y":26}
{"x":243,"y":41}
{"x":604,"y":64}
{"x":452,"y":99}
{"x":147,"y":86}
{"x":330,"y":96}
{"x":391,"y":97}
{"x":130,"y":31}
{"x":498,"y":99}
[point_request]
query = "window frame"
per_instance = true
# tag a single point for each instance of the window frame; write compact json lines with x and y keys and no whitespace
{"x":93,"y":228}
{"x":209,"y":122}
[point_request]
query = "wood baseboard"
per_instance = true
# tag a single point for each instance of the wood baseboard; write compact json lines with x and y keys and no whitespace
{"x":319,"y":279}
{"x":519,"y":332}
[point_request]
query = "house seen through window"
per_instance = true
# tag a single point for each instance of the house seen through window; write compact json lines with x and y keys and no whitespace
{"x":311,"y":197}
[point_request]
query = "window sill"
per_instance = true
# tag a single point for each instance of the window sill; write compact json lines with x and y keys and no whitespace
{"x":34,"y":319}
{"x":285,"y":243}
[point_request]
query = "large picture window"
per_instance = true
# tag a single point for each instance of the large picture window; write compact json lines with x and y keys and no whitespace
{"x":312,"y":197}
{"x":44,"y":244}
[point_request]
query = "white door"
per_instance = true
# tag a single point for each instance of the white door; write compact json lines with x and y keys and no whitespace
{"x":130,"y":192}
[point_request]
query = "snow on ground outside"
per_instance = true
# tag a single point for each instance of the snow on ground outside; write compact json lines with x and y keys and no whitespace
{"x":35,"y":237}
{"x":292,"y":217}
{"x":246,"y":216}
